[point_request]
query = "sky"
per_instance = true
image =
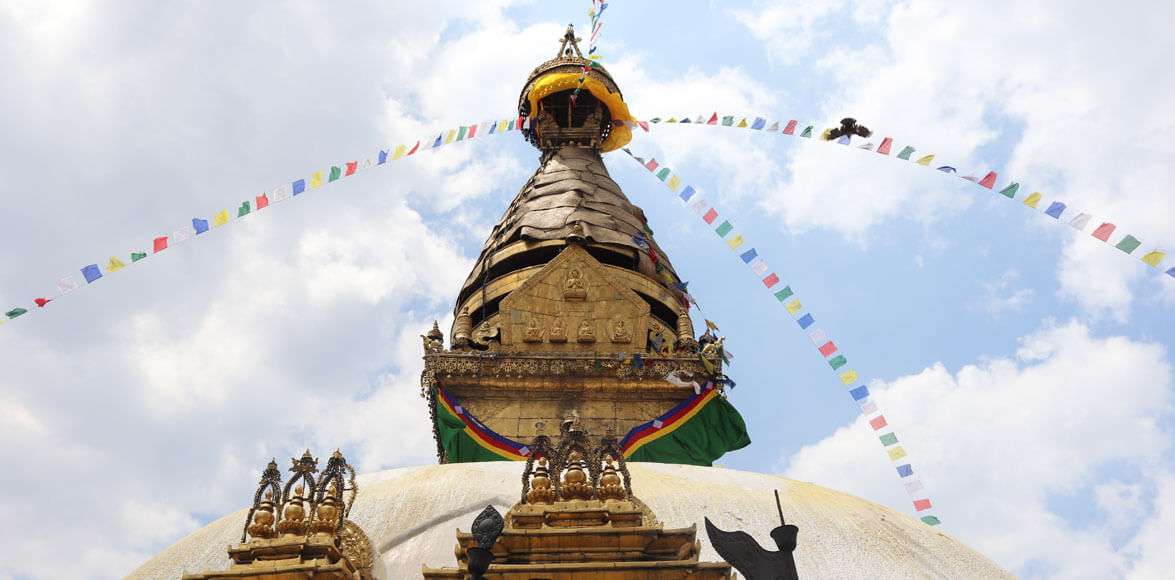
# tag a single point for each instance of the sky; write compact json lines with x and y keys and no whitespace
{"x":1023,"y":364}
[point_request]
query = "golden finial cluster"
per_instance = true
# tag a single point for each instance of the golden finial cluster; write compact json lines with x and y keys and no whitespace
{"x":306,"y":505}
{"x":575,"y":469}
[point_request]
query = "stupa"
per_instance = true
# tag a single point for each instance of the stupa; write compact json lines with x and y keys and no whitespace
{"x":573,"y":368}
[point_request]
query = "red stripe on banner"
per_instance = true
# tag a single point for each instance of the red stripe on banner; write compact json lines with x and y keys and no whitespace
{"x":885,"y":145}
{"x":921,"y":504}
{"x":160,"y":244}
{"x":352,"y":166}
{"x":1103,"y":231}
{"x":828,"y":348}
{"x":771,"y":280}
{"x":878,"y":422}
{"x":988,"y":180}
{"x":710,"y":216}
{"x":262,"y":201}
{"x":484,"y":435}
{"x":790,"y":129}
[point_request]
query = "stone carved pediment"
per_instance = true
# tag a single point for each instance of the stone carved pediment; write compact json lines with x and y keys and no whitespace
{"x":574,"y":304}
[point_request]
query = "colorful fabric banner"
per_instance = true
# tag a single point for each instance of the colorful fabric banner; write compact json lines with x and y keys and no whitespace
{"x":697,"y":431}
{"x":465,"y":439}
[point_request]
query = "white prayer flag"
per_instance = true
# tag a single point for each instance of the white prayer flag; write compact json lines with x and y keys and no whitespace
{"x":759,"y":266}
{"x":66,"y":285}
{"x":280,"y":194}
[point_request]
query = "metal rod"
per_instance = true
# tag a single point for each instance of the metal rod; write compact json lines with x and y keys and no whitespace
{"x":780,"y":508}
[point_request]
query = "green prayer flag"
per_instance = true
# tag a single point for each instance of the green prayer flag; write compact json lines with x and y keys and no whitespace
{"x":335,"y":173}
{"x":931,"y":520}
{"x":15,"y":312}
{"x":906,"y":153}
{"x":663,"y":174}
{"x":244,"y":209}
{"x":1128,"y":244}
{"x":837,"y":361}
{"x":461,"y":133}
{"x":889,"y":439}
{"x":727,"y":121}
{"x":723,"y":229}
{"x":136,"y":256}
{"x":717,"y":428}
{"x":1010,"y":190}
{"x":807,"y":132}
{"x":784,"y":294}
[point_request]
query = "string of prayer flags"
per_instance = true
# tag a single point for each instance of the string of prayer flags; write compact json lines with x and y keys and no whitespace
{"x":837,"y":361}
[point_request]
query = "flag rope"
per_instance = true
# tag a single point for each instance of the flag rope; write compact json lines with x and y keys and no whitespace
{"x":828,"y":349}
{"x":1035,"y":200}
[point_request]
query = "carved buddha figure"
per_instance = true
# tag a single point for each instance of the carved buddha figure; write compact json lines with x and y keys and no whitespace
{"x":558,"y":331}
{"x":574,"y":287}
{"x":621,"y":332}
{"x":586,"y":332}
{"x":533,"y":332}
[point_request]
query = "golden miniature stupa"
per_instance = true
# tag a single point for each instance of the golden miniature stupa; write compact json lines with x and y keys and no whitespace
{"x":574,"y":397}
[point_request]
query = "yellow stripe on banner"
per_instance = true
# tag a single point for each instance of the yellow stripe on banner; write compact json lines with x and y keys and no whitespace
{"x":735,"y":242}
{"x":449,"y":138}
{"x":674,"y":183}
{"x":220,"y":218}
{"x":848,"y":377}
{"x":793,"y":307}
{"x":1032,"y":199}
{"x":400,"y":151}
{"x":671,"y":428}
{"x":316,"y":179}
{"x":896,"y":453}
{"x":925,"y":160}
{"x":1153,"y":258}
{"x":473,"y":434}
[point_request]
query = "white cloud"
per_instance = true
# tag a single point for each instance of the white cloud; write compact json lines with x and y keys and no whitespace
{"x":995,"y":443}
{"x":1002,"y":297}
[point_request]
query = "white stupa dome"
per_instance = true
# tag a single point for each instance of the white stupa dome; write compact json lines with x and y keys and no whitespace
{"x":411,"y":515}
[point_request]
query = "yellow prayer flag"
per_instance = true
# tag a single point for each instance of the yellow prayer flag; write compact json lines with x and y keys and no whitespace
{"x":1153,"y":258}
{"x":848,"y":377}
{"x":1032,"y":199}
{"x":671,"y":120}
{"x":316,"y":179}
{"x":794,"y":306}
{"x":449,"y":138}
{"x":735,"y":242}
{"x":114,"y":265}
{"x":502,"y":125}
{"x":674,"y":183}
{"x":400,"y":151}
{"x":896,"y":453}
{"x":925,"y":160}
{"x":220,"y":218}
{"x":742,"y":124}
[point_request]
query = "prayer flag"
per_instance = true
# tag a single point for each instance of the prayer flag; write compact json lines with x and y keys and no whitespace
{"x":818,"y":336}
{"x":735,"y":242}
{"x":66,"y":285}
{"x":710,"y":216}
{"x":114,"y":265}
{"x":723,"y":229}
{"x":399,"y":152}
{"x":15,"y":312}
{"x":921,"y":504}
{"x":742,"y":124}
{"x":451,"y":136}
{"x":970,"y":178}
{"x":1103,"y":231}
{"x":643,"y":125}
{"x":848,"y":377}
{"x":1171,"y":272}
{"x":1055,"y":209}
{"x":383,"y":157}
{"x":885,"y":145}
{"x":727,"y":121}
{"x":244,"y":209}
{"x":868,"y":146}
{"x":182,"y":235}
{"x":663,"y":174}
{"x":280,"y":193}
{"x":843,"y":139}
{"x":1080,"y":221}
{"x":414,"y":148}
{"x":698,"y":205}
{"x":41,"y":302}
{"x":352,"y":166}
{"x":889,"y":439}
{"x":748,"y":255}
{"x":1128,"y":244}
{"x":220,"y":218}
{"x":299,"y":186}
{"x":771,"y":280}
{"x":335,"y":173}
{"x":686,"y":120}
{"x":136,"y":256}
{"x":905,"y":470}
{"x":1153,"y":258}
{"x":1010,"y":190}
{"x":686,"y":193}
{"x":91,"y":273}
{"x":261,"y":201}
{"x":913,"y":486}
{"x":461,"y":133}
{"x":878,"y":422}
{"x":774,"y":126}
{"x":652,"y":165}
{"x":671,"y":120}
{"x":805,"y":321}
{"x":713,"y":119}
{"x":868,"y":408}
{"x":931,"y":520}
{"x":807,"y":132}
{"x":794,"y":307}
{"x":896,"y":453}
{"x":440,"y":138}
{"x":784,"y":294}
{"x":316,"y":180}
{"x":1032,"y":199}
{"x":946,"y":169}
{"x":837,"y":361}
{"x":368,"y":164}
{"x":906,"y":152}
{"x":925,"y":160}
{"x":472,"y":131}
{"x":674,"y":183}
{"x":790,"y":128}
{"x":160,"y":244}
{"x":827,"y":349}
{"x":200,"y":225}
{"x":759,"y":267}
{"x":988,"y":180}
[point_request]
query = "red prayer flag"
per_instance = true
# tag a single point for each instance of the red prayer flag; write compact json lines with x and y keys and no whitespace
{"x":710,"y":216}
{"x":472,"y":132}
{"x":351,"y":167}
{"x":414,"y":148}
{"x":885,"y":145}
{"x":921,"y":504}
{"x":790,"y":129}
{"x":988,"y":180}
{"x":877,"y":422}
{"x":160,"y":244}
{"x":828,"y":348}
{"x":262,"y":201}
{"x":1103,"y":231}
{"x":41,"y":302}
{"x":644,"y":125}
{"x":652,"y":165}
{"x":771,"y":280}
{"x":713,"y":119}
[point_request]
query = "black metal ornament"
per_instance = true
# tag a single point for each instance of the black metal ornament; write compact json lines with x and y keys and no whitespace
{"x":740,"y":550}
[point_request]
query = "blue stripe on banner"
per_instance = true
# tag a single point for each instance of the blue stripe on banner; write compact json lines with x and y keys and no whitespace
{"x":905,"y":470}
{"x":806,"y":320}
{"x":299,"y":186}
{"x":859,"y":393}
{"x":1055,"y":209}
{"x":687,"y":193}
{"x":749,"y":255}
{"x":199,"y":225}
{"x":91,"y":273}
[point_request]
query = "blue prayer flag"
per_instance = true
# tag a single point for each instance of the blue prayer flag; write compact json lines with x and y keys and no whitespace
{"x":946,"y":169}
{"x":437,"y":143}
{"x":199,"y":225}
{"x":759,"y":123}
{"x":299,"y":186}
{"x":859,"y":393}
{"x":749,"y":255}
{"x":1055,"y":209}
{"x":687,"y":193}
{"x":91,"y":273}
{"x":806,"y":320}
{"x":1171,"y":272}
{"x":843,"y":140}
{"x":383,"y":157}
{"x":905,"y":470}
